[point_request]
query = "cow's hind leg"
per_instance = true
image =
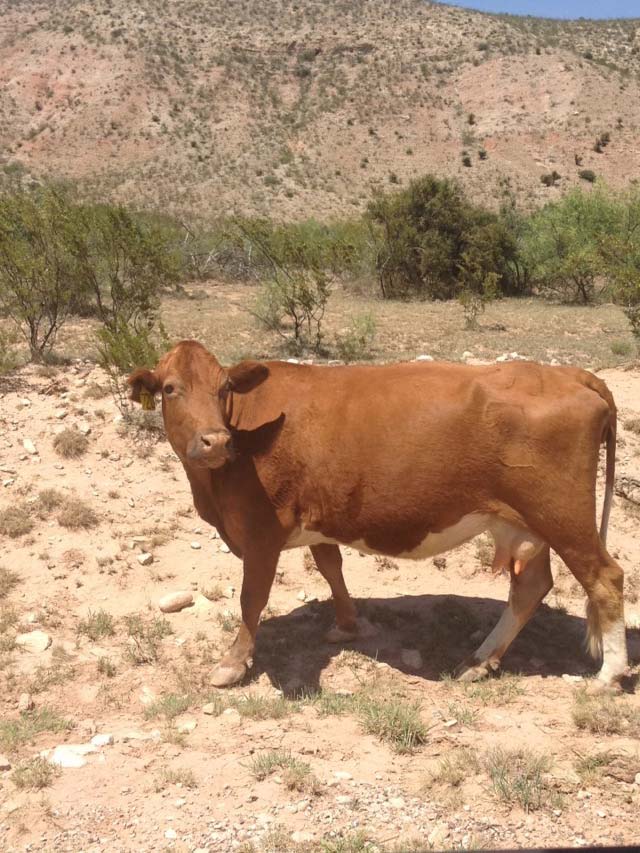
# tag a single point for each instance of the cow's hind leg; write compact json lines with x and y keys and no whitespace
{"x":525,"y":594}
{"x":258,"y":574}
{"x":348,"y":625}
{"x":602,"y":579}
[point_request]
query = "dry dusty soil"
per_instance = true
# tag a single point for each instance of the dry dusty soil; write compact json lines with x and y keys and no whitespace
{"x":329,"y":748}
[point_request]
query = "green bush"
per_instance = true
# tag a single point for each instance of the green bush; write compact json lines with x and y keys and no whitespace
{"x":39,"y":274}
{"x":563,"y":241}
{"x":357,"y":341}
{"x":587,"y":175}
{"x":431,"y":243}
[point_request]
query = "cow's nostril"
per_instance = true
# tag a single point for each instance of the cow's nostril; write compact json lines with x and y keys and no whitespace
{"x":206,"y":441}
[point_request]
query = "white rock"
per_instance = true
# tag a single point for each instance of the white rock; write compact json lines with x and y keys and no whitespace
{"x":24,"y":403}
{"x":60,"y":414}
{"x":342,"y":774}
{"x":411,"y":658}
{"x":102,"y":740}
{"x":170,"y":834}
{"x":229,"y":592}
{"x":84,"y":428}
{"x":343,"y":799}
{"x":225,"y":548}
{"x":448,"y":723}
{"x":209,"y":709}
{"x":70,"y":755}
{"x":179,"y":802}
{"x":302,"y":595}
{"x":397,"y":802}
{"x":637,"y":779}
{"x":467,"y":354}
{"x":571,"y":678}
{"x":25,"y":703}
{"x":196,"y":546}
{"x":147,"y":696}
{"x":424,"y":358}
{"x":300,"y":836}
{"x":438,"y":835}
{"x":175,"y":601}
{"x":145,"y":559}
{"x":502,"y":358}
{"x":5,"y":764}
{"x":29,"y":446}
{"x":34,"y":642}
{"x":187,"y":726}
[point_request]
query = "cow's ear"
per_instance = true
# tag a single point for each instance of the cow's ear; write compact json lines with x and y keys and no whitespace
{"x":144,"y":385}
{"x":246,"y":376}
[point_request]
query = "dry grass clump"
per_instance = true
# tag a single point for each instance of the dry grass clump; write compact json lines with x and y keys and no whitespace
{"x":70,"y":443}
{"x":8,"y":581}
{"x":16,"y":520}
{"x":35,"y":774}
{"x":604,"y":715}
{"x":633,"y":425}
{"x":76,"y":514}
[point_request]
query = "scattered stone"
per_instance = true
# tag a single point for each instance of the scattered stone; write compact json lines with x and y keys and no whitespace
{"x":466,"y":354}
{"x":637,"y":780}
{"x":29,"y":446}
{"x":5,"y":764}
{"x":342,"y":774}
{"x":424,"y":358}
{"x":437,"y":835}
{"x":102,"y":740}
{"x":25,"y":703}
{"x":411,"y":658}
{"x":71,"y":755}
{"x":145,"y":559}
{"x":187,"y":726}
{"x":170,"y":834}
{"x":209,"y":709}
{"x":440,"y":563}
{"x":225,"y":548}
{"x":448,"y":723}
{"x":34,"y":642}
{"x":84,"y":428}
{"x":196,"y":546}
{"x":397,"y":802}
{"x":147,"y":696}
{"x":60,"y":414}
{"x":229,"y":592}
{"x":571,"y":678}
{"x":179,"y":802}
{"x":300,"y":836}
{"x":175,"y":601}
{"x":302,"y":595}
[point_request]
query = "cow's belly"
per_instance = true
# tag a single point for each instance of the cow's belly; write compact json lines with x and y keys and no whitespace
{"x":462,"y":531}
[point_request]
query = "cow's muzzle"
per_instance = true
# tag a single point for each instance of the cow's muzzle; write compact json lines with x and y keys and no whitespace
{"x":212,"y":449}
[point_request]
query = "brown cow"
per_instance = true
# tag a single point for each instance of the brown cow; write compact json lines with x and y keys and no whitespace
{"x":407,"y":460}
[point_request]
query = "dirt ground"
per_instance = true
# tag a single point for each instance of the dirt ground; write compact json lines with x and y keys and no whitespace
{"x":328,"y":748}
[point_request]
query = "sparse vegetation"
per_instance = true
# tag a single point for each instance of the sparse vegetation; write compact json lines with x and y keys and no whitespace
{"x":8,"y":581}
{"x":16,"y":521}
{"x":395,"y":721}
{"x":170,"y":706}
{"x":97,"y":625}
{"x":70,"y":443}
{"x":296,"y":774}
{"x":76,"y":514}
{"x":15,"y":733}
{"x":145,"y":637}
{"x":519,"y":777}
{"x":604,"y":715}
{"x":34,"y":774}
{"x":183,"y":778}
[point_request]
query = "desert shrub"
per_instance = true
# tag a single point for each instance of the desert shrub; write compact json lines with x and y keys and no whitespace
{"x":76,"y":514}
{"x":39,"y":274}
{"x":356,"y":342}
{"x":563,"y":242}
{"x":587,"y":175}
{"x":8,"y":355}
{"x":620,"y":252}
{"x":433,"y":243}
{"x":70,"y":443}
{"x":550,"y":179}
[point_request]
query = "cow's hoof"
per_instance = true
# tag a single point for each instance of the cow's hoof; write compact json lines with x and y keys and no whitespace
{"x":226,"y":674}
{"x":361,"y":630}
{"x":474,"y":670}
{"x":599,"y":687}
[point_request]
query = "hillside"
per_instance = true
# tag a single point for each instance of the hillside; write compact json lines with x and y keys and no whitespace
{"x":303,"y":108}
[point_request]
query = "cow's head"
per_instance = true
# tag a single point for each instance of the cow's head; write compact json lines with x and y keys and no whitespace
{"x":195,"y":392}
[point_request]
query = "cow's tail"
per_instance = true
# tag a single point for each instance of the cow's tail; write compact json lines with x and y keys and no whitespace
{"x":594,"y":629}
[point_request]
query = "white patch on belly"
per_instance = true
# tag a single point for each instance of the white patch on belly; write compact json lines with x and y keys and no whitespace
{"x":462,"y":531}
{"x":301,"y":537}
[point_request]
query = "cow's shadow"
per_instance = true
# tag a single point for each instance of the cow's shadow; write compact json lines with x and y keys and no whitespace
{"x":445,"y":629}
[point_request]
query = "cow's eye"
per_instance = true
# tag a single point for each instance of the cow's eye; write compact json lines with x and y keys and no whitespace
{"x":168,"y":390}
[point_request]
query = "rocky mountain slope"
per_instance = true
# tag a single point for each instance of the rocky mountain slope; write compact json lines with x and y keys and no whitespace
{"x":303,"y":108}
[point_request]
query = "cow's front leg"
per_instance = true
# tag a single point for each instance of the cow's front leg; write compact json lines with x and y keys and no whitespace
{"x":258,"y":574}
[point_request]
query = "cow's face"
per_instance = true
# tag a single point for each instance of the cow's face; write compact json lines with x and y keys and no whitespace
{"x":195,"y":389}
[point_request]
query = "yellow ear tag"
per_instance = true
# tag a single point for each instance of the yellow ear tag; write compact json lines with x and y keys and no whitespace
{"x":148,"y":400}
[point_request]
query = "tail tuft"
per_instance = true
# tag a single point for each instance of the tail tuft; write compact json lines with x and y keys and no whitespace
{"x":593,"y":640}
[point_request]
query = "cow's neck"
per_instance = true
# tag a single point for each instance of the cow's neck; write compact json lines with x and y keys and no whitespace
{"x":207,"y":499}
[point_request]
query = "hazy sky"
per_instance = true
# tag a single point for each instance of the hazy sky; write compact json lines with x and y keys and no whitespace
{"x":556,"y":8}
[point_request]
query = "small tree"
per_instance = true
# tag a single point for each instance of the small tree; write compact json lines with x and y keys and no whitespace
{"x":39,"y":276}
